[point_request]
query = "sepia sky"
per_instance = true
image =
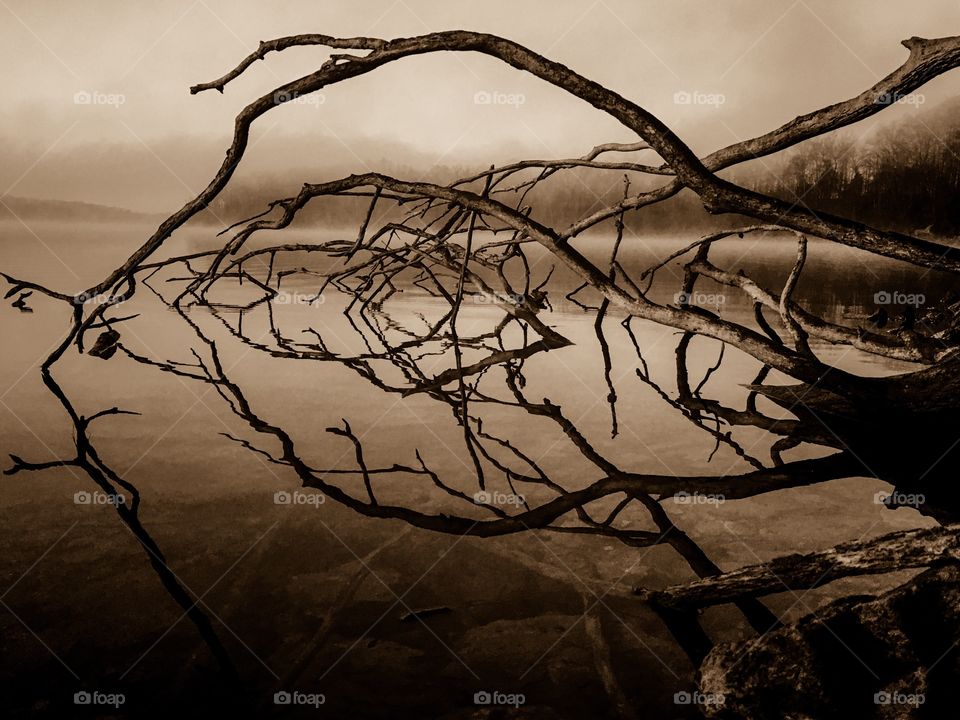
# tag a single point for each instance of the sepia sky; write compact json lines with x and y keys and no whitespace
{"x":144,"y":142}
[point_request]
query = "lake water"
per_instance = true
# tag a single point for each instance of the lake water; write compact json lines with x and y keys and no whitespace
{"x":544,"y":614}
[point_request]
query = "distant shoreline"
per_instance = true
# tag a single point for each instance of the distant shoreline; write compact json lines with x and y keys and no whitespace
{"x":15,"y":209}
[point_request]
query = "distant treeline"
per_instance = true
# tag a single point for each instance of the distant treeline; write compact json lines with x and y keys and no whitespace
{"x":904,"y":176}
{"x":21,"y":208}
{"x":562,"y":199}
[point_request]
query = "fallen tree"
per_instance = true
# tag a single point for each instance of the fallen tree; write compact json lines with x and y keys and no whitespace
{"x":471,"y":236}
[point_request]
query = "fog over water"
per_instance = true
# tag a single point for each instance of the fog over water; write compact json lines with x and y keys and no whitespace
{"x":418,"y":446}
{"x":161,"y":145}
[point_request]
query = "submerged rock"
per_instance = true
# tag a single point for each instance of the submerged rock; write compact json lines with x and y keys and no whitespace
{"x":106,"y":344}
{"x":892,"y":656}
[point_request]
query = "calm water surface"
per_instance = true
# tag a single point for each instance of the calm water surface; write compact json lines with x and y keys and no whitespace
{"x":531,"y":613}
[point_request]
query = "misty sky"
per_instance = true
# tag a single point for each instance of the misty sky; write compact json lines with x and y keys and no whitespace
{"x":769,"y":59}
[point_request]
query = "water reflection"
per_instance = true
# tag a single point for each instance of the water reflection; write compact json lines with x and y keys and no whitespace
{"x":495,"y":363}
{"x":485,"y":391}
